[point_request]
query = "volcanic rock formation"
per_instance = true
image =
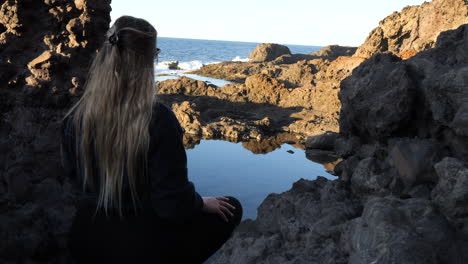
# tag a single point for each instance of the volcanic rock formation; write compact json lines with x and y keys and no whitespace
{"x":402,"y":193}
{"x":415,"y":28}
{"x":45,"y":49}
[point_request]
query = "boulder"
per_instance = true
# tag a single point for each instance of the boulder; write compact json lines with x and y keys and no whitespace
{"x":413,"y":160}
{"x":268,"y":52}
{"x":378,"y":100}
{"x":415,"y":28}
{"x":370,"y":178}
{"x":325,"y":141}
{"x":299,"y":226}
{"x":391,"y":230}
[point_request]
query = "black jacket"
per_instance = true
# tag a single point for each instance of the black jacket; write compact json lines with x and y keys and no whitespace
{"x":170,"y":194}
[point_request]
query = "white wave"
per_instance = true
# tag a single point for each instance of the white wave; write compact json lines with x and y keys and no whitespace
{"x":190,"y":65}
{"x":165,"y":65}
{"x":238,"y":58}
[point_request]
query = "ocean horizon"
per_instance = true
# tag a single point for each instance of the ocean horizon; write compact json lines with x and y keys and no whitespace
{"x":192,"y":54}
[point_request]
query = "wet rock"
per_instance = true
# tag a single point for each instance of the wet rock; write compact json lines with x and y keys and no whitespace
{"x":268,"y":52}
{"x":321,"y":156}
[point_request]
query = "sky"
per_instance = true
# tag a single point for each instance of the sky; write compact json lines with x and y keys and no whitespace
{"x":302,"y":22}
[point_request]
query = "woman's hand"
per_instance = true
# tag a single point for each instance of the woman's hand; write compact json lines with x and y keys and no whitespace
{"x":219,"y":206}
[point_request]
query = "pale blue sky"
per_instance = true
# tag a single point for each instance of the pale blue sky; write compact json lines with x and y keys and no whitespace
{"x":306,"y":22}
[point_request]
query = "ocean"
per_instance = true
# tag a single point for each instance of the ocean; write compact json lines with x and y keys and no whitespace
{"x":192,"y":54}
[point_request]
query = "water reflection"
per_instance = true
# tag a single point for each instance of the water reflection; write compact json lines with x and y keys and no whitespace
{"x":266,"y":145}
{"x":269,"y":144}
{"x":251,"y":170}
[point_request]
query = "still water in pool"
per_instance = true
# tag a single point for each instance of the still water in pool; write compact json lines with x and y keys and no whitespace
{"x":222,"y":168}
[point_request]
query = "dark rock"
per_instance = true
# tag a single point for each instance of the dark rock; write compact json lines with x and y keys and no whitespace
{"x":345,"y":168}
{"x":451,"y":191}
{"x":324,"y":141}
{"x":346,"y":146}
{"x":370,"y":177}
{"x":386,"y":97}
{"x":268,"y":52}
{"x":45,"y":50}
{"x":378,"y":100}
{"x":460,"y":121}
{"x":413,"y":160}
{"x":409,"y":231}
{"x":299,"y":226}
{"x":321,"y":156}
{"x":422,"y":191}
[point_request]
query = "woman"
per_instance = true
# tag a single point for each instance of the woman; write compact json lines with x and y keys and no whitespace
{"x":125,"y":151}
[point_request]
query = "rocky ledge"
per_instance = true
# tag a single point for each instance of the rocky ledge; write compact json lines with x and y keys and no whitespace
{"x":291,"y":93}
{"x":402,"y":195}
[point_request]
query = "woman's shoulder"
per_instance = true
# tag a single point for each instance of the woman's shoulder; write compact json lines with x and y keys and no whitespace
{"x":161,"y":107}
{"x":164,"y":116}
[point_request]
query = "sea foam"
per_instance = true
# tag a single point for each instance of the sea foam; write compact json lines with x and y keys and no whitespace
{"x":238,"y":58}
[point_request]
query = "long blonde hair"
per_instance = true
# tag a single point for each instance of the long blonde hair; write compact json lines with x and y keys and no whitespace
{"x":115,"y":111}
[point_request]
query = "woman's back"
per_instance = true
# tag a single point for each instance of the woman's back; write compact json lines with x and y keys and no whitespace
{"x":166,"y":166}
{"x":126,"y":153}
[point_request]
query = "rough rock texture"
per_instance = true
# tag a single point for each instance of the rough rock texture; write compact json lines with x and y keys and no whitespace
{"x":324,"y":141}
{"x":268,"y":52}
{"x":402,"y":192}
{"x":45,"y":50}
{"x":415,"y":28}
{"x":332,"y":52}
{"x":302,"y":225}
{"x":258,"y":109}
{"x":307,"y":84}
{"x":391,"y":230}
{"x":424,"y":96}
{"x":427,"y":165}
{"x":451,"y":191}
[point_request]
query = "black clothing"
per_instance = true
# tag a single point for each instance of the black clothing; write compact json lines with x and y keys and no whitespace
{"x":137,"y":239}
{"x":171,"y":214}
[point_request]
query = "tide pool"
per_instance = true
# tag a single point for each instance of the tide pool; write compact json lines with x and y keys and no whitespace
{"x":222,"y":168}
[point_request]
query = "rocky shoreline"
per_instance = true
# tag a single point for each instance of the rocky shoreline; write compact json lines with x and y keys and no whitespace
{"x":394,"y":111}
{"x":295,"y":93}
{"x":403,"y":188}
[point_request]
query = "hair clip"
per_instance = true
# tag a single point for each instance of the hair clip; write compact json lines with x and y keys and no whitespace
{"x":114,"y":38}
{"x":112,"y":35}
